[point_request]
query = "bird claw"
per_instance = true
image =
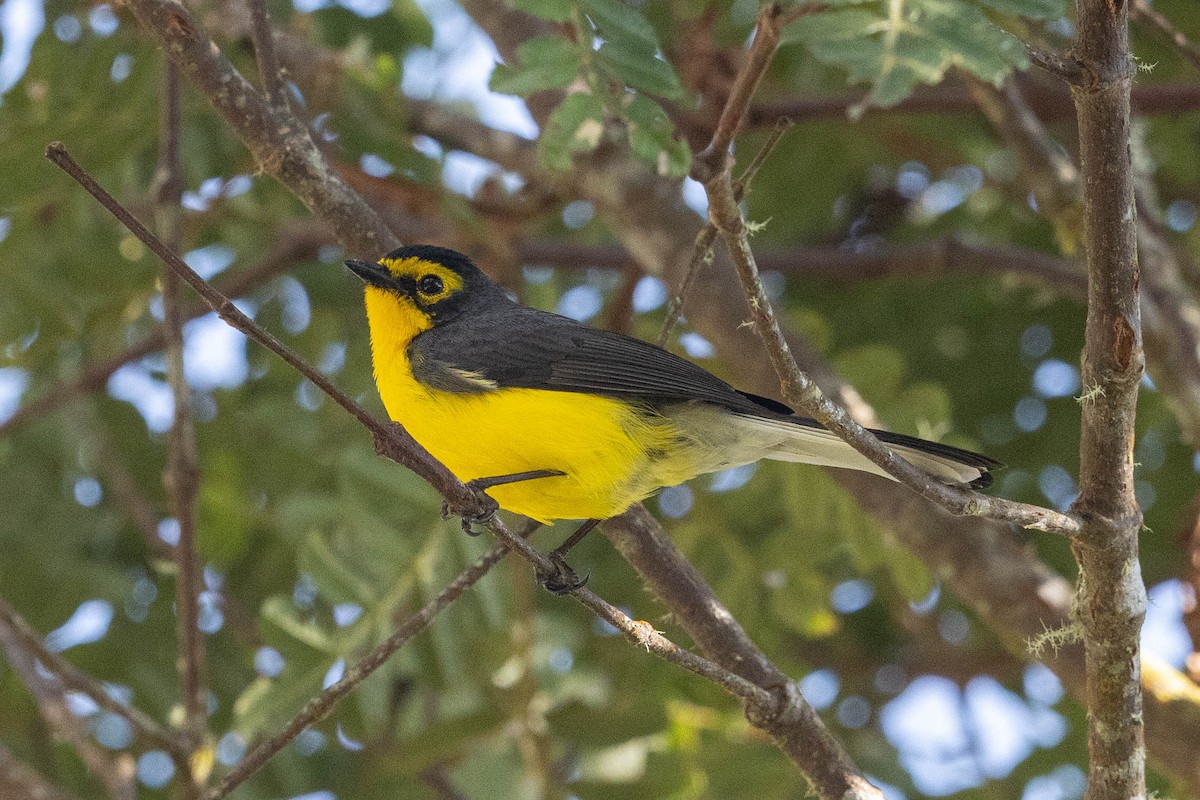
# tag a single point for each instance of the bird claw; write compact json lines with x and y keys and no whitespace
{"x":563,"y":580}
{"x":480,"y":515}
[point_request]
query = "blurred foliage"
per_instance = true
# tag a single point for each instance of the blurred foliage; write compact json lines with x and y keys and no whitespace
{"x":315,"y":547}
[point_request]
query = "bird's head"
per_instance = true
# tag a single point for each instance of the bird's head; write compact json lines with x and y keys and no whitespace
{"x":426,"y":285}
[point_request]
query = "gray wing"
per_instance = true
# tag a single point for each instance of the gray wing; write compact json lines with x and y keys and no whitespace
{"x":537,"y":350}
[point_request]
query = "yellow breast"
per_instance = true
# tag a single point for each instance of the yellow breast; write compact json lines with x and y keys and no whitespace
{"x":613,"y":454}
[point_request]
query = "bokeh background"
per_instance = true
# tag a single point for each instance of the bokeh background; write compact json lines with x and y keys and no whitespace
{"x":313,"y":547}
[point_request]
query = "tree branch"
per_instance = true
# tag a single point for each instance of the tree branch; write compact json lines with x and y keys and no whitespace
{"x":712,"y":168}
{"x":279,"y":142}
{"x":27,"y":637}
{"x":944,"y":256}
{"x":1049,"y":99}
{"x":264,"y":54}
{"x":115,"y":772}
{"x":704,"y":239}
{"x":1062,"y":66}
{"x":800,"y":734}
{"x":181,"y":476}
{"x":1112,"y":597}
{"x":320,"y":706}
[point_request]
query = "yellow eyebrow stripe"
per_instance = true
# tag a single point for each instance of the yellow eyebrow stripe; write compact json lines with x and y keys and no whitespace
{"x":416,"y":268}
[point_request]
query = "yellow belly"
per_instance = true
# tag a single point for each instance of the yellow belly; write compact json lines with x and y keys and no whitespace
{"x":604,"y":447}
{"x":612,"y":454}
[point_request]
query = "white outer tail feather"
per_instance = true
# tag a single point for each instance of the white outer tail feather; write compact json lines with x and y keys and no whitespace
{"x":782,"y":440}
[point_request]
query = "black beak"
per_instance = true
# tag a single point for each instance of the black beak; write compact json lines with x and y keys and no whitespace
{"x":372,"y":274}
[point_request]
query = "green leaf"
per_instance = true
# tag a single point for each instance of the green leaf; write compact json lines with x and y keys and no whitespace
{"x":337,"y":581}
{"x":546,"y":62}
{"x":897,"y":44}
{"x":576,"y":126}
{"x":622,"y":24}
{"x":553,"y":10}
{"x":833,"y":26}
{"x":651,"y":137}
{"x":279,"y":613}
{"x":642,"y":70}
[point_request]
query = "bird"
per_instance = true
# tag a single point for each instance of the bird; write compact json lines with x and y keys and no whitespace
{"x":555,"y":419}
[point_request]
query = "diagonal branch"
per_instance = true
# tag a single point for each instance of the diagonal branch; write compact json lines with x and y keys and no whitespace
{"x":392,"y":440}
{"x":115,"y":771}
{"x":27,"y":637}
{"x":320,"y":706}
{"x":713,"y":169}
{"x":708,"y":234}
{"x":279,"y":142}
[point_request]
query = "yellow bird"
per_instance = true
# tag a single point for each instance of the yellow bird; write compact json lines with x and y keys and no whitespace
{"x":495,"y":391}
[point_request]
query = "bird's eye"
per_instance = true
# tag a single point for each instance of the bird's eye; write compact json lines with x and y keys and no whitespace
{"x":430,"y":285}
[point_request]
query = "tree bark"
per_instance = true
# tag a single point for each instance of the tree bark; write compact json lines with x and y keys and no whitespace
{"x":1111,"y":600}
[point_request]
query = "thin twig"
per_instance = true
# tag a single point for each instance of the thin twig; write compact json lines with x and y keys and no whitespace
{"x":317,"y":708}
{"x":1146,"y":12}
{"x":702,"y":254}
{"x":77,"y":680}
{"x":115,"y":771}
{"x":393,"y":441}
{"x":1061,"y":66}
{"x":695,"y":606}
{"x":181,"y":475}
{"x":714,"y":158}
{"x":264,"y":52}
{"x":797,"y":387}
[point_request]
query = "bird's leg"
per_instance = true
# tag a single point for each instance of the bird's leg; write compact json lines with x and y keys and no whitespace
{"x":565,"y":580}
{"x":481,"y":485}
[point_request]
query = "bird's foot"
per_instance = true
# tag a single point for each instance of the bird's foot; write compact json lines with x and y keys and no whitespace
{"x":562,"y":580}
{"x":486,"y":506}
{"x":482,"y":512}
